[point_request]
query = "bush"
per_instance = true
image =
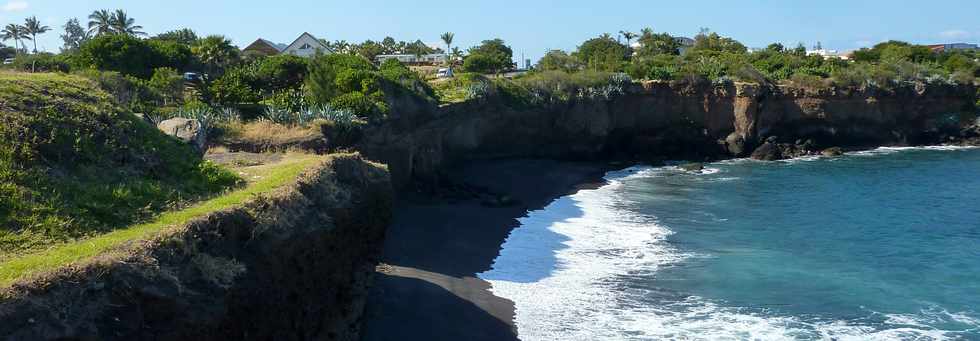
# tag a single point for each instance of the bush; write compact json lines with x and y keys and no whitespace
{"x":361,"y":105}
{"x":235,"y":87}
{"x":807,"y":81}
{"x":281,"y":72}
{"x":41,"y":62}
{"x":130,"y":55}
{"x":322,"y":83}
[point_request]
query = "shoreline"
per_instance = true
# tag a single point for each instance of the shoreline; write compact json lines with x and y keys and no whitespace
{"x":427,"y":286}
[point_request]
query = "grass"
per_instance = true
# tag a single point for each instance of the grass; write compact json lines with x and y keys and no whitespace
{"x":268,"y":134}
{"x":265,"y":178}
{"x":74,"y":165}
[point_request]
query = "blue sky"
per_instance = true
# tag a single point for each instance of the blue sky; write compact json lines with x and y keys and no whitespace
{"x":532,"y":27}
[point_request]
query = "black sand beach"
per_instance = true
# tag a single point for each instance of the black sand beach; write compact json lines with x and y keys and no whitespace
{"x":427,"y":289}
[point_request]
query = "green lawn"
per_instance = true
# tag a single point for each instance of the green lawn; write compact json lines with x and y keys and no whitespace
{"x":265,"y":179}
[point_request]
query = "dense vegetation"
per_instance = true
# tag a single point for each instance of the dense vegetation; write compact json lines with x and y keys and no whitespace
{"x":73,"y":164}
{"x":712,"y":57}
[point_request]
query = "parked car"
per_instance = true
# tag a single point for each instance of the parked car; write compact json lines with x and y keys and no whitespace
{"x":445,"y":73}
{"x":193,"y":77}
{"x":8,"y":61}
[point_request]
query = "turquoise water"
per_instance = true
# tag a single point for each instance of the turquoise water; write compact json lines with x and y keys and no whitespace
{"x":882,"y":245}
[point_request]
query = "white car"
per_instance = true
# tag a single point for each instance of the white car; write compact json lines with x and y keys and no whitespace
{"x":445,"y":73}
{"x":8,"y":61}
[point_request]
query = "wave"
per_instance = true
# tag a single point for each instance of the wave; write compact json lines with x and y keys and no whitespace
{"x":567,"y":269}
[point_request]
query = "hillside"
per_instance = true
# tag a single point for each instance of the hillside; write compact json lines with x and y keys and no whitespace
{"x":73,"y":165}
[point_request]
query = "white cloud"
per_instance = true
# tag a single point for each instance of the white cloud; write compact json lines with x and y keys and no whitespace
{"x":955,"y":34}
{"x":14,"y":6}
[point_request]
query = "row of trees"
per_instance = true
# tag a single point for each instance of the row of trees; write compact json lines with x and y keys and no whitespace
{"x":26,"y":32}
{"x":100,"y":22}
{"x":712,"y":56}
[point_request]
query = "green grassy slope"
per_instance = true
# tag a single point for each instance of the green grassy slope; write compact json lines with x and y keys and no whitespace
{"x":73,"y":166}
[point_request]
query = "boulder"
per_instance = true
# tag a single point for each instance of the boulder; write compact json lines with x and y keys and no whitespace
{"x":768,"y":152}
{"x":735,"y":144}
{"x":832,"y":152}
{"x":692,"y":167}
{"x":186,"y":130}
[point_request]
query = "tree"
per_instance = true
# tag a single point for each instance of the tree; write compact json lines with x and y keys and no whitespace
{"x":16,"y":33}
{"x":390,"y":45}
{"x":184,"y":36}
{"x":652,"y":44}
{"x":130,"y":56}
{"x":603,"y":54}
{"x":100,"y":22}
{"x":370,"y":49}
{"x":74,"y":35}
{"x":456,"y":55}
{"x":776,"y":47}
{"x":558,"y":60}
{"x":167,"y":83}
{"x":419,"y":49}
{"x":628,"y":36}
{"x":33,"y":27}
{"x":491,"y":56}
{"x":707,"y":41}
{"x":216,"y":53}
{"x":121,"y":23}
{"x":448,"y":39}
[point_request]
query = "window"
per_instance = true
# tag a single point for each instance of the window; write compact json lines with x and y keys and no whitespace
{"x":305,"y":47}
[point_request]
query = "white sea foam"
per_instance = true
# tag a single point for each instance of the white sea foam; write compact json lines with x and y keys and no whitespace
{"x":561,"y":268}
{"x":892,"y":150}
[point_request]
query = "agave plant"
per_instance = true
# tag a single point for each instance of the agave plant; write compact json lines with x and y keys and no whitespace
{"x":278,"y":115}
{"x":205,"y":117}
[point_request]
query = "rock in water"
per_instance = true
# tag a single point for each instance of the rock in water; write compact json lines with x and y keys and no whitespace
{"x":831,"y":152}
{"x":693,"y":167}
{"x":767,"y":152}
{"x":735,"y":144}
{"x":186,"y":130}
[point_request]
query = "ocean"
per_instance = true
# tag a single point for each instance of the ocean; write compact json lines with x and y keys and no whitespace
{"x":875,"y":245}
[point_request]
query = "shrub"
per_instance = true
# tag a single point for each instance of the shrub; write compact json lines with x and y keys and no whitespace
{"x":281,"y":72}
{"x":807,"y":81}
{"x":360,"y":104}
{"x":322,"y":83}
{"x":235,"y":87}
{"x":41,"y":62}
{"x":130,"y":55}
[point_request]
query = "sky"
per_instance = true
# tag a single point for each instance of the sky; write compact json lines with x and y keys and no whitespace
{"x":530,"y":27}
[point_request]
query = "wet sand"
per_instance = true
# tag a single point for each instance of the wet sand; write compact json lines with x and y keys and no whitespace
{"x":427,"y":289}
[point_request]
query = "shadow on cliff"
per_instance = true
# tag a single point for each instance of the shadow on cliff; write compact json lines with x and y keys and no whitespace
{"x":408,"y":309}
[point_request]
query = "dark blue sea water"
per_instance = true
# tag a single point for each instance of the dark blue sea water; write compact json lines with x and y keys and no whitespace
{"x":881,"y":245}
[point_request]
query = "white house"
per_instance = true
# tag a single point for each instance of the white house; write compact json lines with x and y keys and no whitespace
{"x":432,"y":59}
{"x":827,"y":54}
{"x":306,"y":46}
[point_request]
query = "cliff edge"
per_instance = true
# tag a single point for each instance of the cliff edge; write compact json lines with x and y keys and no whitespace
{"x":288,"y":265}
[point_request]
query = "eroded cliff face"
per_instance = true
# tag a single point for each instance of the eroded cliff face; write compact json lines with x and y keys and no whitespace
{"x":290,"y":265}
{"x":657,"y":120}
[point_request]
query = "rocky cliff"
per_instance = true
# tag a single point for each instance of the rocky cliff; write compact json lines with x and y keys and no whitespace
{"x":656,"y":120}
{"x":290,"y":265}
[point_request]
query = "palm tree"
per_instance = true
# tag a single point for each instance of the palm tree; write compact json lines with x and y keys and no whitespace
{"x":629,"y":37}
{"x":100,"y":22}
{"x":123,"y":24}
{"x":33,"y":27}
{"x":215,"y":52}
{"x":448,"y":39}
{"x":16,"y":33}
{"x":456,"y":55}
